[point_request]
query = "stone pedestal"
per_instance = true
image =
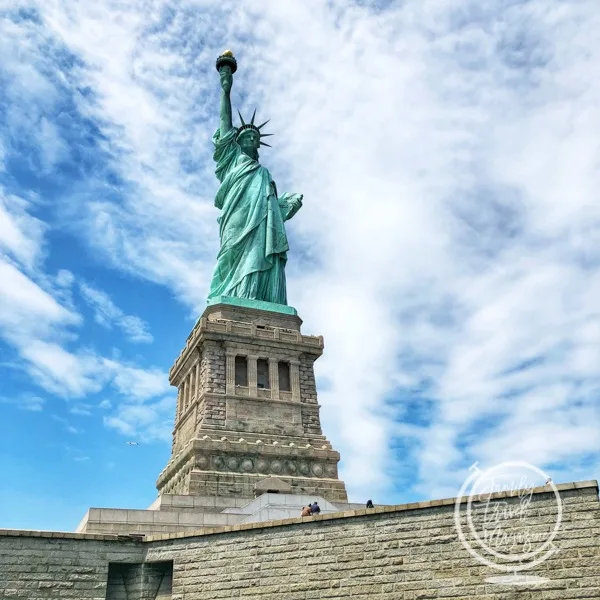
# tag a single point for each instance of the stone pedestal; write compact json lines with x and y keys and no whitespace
{"x":247,"y":409}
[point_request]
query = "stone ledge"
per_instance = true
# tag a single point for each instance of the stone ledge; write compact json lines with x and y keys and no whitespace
{"x":257,"y":305}
{"x":562,"y":487}
{"x":69,"y":535}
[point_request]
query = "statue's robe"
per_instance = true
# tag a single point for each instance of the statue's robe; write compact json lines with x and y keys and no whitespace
{"x":254,"y":245}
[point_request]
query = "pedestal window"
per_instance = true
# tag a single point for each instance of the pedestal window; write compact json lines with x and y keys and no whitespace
{"x":285,"y":384}
{"x":262,"y":374}
{"x":241,"y":371}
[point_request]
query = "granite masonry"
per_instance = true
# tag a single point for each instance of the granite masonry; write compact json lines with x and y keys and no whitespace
{"x":406,"y":552}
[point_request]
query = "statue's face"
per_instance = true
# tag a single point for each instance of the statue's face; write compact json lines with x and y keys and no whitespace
{"x":249,"y":142}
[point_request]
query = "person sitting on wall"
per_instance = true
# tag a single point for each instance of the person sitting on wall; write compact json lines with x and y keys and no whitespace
{"x":306,"y":512}
{"x":315,"y":509}
{"x":370,"y":504}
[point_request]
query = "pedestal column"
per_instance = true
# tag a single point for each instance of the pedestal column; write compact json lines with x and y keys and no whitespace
{"x":252,"y":376}
{"x":295,"y":379}
{"x":197,"y":377}
{"x":179,"y":407}
{"x":230,"y":373}
{"x":274,"y":378}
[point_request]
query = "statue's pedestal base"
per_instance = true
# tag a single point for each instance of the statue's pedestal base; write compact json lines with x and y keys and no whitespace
{"x":255,"y":304}
{"x":247,"y":408}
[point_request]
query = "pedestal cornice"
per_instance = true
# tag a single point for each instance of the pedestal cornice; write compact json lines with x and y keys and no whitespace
{"x":239,"y":331}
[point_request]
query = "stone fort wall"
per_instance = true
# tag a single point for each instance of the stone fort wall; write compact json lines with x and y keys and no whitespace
{"x":406,"y":552}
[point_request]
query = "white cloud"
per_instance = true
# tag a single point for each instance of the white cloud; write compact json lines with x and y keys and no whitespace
{"x":82,"y":409}
{"x":32,"y":403}
{"x":149,"y":421}
{"x":21,"y":234}
{"x":448,"y":244}
{"x":53,"y":148}
{"x":75,"y":375}
{"x":66,"y":425}
{"x":64,"y":278}
{"x":62,"y":372}
{"x":106,"y":313}
{"x":120,"y":425}
{"x":27,"y":402}
{"x":75,"y":454}
{"x":136,"y":383}
{"x":28,"y":310}
{"x":135,"y":329}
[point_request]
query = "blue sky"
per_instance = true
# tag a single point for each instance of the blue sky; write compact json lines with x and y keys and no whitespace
{"x":447,"y":248}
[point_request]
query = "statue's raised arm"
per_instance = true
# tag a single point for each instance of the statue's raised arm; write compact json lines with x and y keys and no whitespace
{"x":226,"y":64}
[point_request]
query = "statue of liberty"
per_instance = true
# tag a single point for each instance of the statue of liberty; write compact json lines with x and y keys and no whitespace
{"x":251,"y":260}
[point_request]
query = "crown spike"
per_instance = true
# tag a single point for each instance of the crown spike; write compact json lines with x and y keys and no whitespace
{"x":253,"y":115}
{"x":265,"y":144}
{"x":241,"y":118}
{"x":261,"y":126}
{"x":266,"y":134}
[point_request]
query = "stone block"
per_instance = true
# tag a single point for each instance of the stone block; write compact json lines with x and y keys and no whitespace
{"x":140,"y":516}
{"x":166,"y":517}
{"x":113,"y":515}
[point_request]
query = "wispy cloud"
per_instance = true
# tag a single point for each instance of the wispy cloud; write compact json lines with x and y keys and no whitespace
{"x":21,"y":234}
{"x":75,"y":454}
{"x":28,"y":402}
{"x":107,"y":314}
{"x":66,"y":424}
{"x":81,"y":409}
{"x":147,"y":422}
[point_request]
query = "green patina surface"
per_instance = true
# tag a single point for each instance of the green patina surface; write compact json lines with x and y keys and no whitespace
{"x":249,"y":303}
{"x":251,"y":260}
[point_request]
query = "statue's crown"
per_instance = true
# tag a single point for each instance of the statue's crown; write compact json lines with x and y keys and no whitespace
{"x":244,"y":126}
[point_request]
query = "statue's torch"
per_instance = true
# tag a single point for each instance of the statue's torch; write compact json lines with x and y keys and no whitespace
{"x":227,"y":60}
